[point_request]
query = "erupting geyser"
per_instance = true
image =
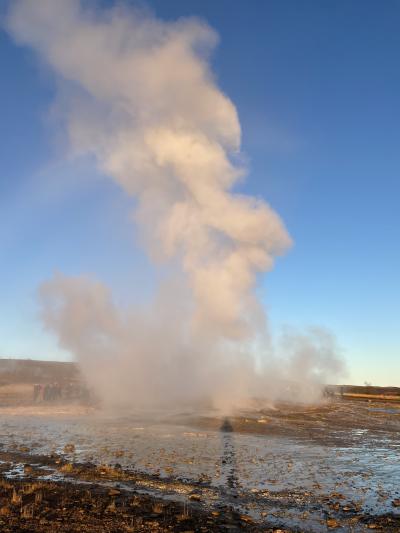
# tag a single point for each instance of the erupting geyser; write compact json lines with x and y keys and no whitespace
{"x":138,"y":95}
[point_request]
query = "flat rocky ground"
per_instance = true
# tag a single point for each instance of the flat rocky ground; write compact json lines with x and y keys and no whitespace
{"x":329,"y":467}
{"x":333,"y":422}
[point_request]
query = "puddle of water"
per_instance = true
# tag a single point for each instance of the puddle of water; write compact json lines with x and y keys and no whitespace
{"x":16,"y":471}
{"x":385,"y":410}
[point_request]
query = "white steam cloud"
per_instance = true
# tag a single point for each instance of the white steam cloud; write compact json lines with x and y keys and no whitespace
{"x":138,"y":94}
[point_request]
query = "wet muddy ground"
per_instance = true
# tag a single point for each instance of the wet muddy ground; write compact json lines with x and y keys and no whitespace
{"x":330,"y":467}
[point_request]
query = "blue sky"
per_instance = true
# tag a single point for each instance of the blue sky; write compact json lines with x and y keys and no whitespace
{"x":317,"y":86}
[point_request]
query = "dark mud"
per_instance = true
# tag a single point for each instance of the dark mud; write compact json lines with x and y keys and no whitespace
{"x":47,"y":507}
{"x":87,"y":497}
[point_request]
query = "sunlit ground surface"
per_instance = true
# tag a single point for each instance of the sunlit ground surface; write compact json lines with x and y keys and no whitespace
{"x":293,"y":467}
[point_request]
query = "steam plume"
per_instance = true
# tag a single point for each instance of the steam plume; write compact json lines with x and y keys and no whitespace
{"x":138,"y":94}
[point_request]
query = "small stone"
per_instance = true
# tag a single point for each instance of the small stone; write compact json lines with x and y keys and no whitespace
{"x":332,"y":523}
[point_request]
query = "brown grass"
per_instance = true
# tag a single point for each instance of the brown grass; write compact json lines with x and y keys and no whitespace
{"x":371,"y":396}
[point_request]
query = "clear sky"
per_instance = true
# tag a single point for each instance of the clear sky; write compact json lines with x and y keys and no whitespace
{"x":317,"y":87}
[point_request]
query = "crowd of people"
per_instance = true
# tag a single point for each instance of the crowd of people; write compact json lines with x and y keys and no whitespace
{"x":51,"y":392}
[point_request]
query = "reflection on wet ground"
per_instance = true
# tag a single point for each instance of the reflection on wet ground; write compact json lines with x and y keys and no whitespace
{"x":285,"y":479}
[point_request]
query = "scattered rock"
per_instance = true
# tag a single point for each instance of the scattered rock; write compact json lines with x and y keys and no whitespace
{"x":332,"y":523}
{"x":69,"y":448}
